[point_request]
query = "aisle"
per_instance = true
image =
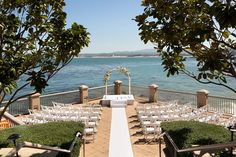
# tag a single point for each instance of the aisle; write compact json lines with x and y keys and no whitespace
{"x":120,"y":144}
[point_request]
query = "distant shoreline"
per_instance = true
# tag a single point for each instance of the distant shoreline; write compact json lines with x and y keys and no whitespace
{"x":118,"y":57}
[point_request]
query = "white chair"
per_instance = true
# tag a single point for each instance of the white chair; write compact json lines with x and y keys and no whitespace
{"x":57,"y":104}
{"x":151,"y":129}
{"x":89,"y":131}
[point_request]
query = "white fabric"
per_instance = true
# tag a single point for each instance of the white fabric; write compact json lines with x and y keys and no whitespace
{"x":120,"y":144}
{"x":118,"y":103}
{"x":109,"y":98}
{"x":150,"y":129}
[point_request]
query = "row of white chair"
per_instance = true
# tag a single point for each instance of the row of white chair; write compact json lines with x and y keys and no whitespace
{"x":90,"y":115}
{"x":151,"y":116}
{"x":148,"y":120}
{"x":174,"y":112}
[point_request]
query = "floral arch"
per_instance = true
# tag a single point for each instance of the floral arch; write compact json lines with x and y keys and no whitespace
{"x":119,"y":69}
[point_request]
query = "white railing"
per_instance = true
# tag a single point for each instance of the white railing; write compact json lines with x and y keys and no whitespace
{"x":215,"y":103}
{"x":98,"y":92}
{"x":18,"y":107}
{"x":182,"y":97}
{"x":63,"y":97}
{"x":222,"y":104}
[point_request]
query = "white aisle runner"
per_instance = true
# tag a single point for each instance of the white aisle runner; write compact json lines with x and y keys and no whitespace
{"x":120,"y":144}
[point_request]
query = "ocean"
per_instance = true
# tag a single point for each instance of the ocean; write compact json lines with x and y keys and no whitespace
{"x":144,"y":71}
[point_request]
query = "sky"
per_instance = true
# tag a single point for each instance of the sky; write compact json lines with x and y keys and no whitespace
{"x":109,"y":23}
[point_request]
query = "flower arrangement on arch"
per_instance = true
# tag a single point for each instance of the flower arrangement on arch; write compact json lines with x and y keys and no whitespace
{"x":119,"y":69}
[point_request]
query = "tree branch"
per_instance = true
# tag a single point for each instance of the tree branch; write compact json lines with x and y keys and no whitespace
{"x":23,"y":86}
{"x":2,"y":96}
{"x":11,"y":100}
{"x":57,"y":69}
{"x":187,"y":51}
{"x":209,"y":81}
{"x":223,"y":42}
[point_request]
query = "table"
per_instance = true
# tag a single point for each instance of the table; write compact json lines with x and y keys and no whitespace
{"x":115,"y":99}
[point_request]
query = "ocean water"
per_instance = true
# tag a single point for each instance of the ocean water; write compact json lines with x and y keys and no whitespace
{"x":144,"y":71}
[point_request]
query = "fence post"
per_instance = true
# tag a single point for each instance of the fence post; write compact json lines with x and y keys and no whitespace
{"x":153,"y":93}
{"x":117,"y":87}
{"x":83,"y":91}
{"x":202,"y":98}
{"x":34,"y":101}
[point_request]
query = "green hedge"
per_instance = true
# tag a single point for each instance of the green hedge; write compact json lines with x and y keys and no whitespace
{"x":59,"y":134}
{"x":188,"y":133}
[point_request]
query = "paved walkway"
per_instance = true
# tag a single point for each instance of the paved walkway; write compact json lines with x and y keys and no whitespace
{"x":141,"y":148}
{"x":120,"y":145}
{"x":100,"y":147}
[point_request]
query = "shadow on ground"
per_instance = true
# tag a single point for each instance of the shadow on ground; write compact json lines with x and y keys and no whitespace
{"x":144,"y":141}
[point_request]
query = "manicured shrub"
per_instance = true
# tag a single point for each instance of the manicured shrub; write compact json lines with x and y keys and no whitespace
{"x":188,"y":133}
{"x":59,"y":134}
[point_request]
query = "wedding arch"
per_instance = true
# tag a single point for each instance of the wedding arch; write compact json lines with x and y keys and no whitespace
{"x":119,"y":69}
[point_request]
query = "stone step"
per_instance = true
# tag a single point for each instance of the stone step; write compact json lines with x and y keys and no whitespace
{"x":118,"y":103}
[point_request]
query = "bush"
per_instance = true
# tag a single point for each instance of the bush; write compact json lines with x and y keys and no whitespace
{"x":188,"y":133}
{"x":60,"y":134}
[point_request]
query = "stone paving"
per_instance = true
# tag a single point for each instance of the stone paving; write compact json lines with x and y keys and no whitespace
{"x":100,"y":146}
{"x":141,"y":148}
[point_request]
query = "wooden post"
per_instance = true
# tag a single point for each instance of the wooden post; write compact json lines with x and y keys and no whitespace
{"x":83,"y":146}
{"x":34,"y":101}
{"x":83,"y":91}
{"x":129,"y":85}
{"x":117,"y":87}
{"x":202,"y":98}
{"x":159,"y":147}
{"x":153,"y":93}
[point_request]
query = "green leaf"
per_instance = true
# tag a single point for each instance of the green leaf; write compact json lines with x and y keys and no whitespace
{"x":199,"y":76}
{"x":174,"y":26}
{"x":37,"y":42}
{"x":7,"y":90}
{"x":223,"y":79}
{"x":225,"y":34}
{"x":211,"y":76}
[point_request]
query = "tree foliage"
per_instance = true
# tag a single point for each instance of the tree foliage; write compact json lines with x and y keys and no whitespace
{"x":35,"y":44}
{"x":203,"y":29}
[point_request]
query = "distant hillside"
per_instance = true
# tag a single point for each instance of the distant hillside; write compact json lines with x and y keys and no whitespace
{"x":138,"y":53}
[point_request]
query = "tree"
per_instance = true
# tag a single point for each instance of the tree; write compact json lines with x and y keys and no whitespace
{"x":203,"y":29}
{"x":34,"y":45}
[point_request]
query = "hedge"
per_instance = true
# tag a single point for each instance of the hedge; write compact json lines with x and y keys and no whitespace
{"x":188,"y":133}
{"x":59,"y":134}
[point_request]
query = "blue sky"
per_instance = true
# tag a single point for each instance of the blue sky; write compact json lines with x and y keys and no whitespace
{"x":109,"y":23}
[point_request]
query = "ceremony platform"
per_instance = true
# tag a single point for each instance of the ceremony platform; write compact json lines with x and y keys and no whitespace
{"x":117,"y":100}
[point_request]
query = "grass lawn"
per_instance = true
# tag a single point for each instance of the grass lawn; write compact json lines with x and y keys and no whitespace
{"x":59,"y":134}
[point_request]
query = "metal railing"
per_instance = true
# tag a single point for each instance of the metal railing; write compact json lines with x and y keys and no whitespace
{"x":182,"y":97}
{"x":222,"y":104}
{"x":136,"y":91}
{"x":163,"y":95}
{"x":63,"y":97}
{"x":98,"y":92}
{"x":45,"y":147}
{"x":202,"y":149}
{"x":20,"y":106}
{"x":215,"y":103}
